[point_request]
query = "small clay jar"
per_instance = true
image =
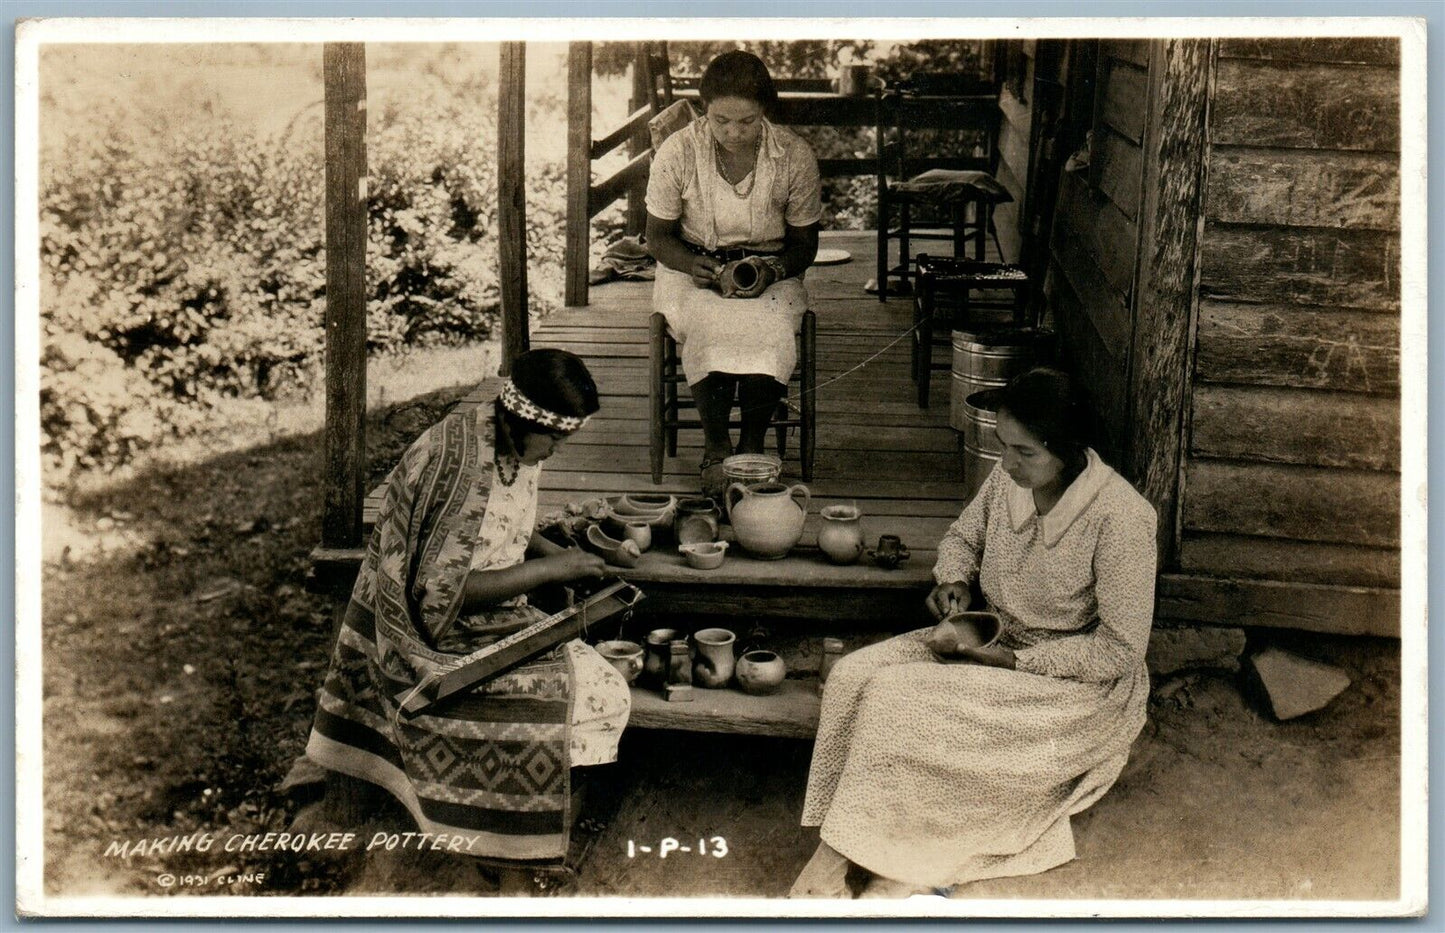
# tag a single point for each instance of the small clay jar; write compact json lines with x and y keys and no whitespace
{"x":696,"y":521}
{"x":761,"y":672}
{"x":659,"y":655}
{"x":715,"y":662}
{"x":841,"y":536}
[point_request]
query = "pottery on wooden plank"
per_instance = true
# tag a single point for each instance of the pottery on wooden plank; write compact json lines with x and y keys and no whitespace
{"x":615,"y":552}
{"x":963,"y":630}
{"x":766,"y":517}
{"x":659,"y":655}
{"x":696,"y":521}
{"x":761,"y":672}
{"x":714,"y":661}
{"x":704,"y":555}
{"x":890,"y":552}
{"x":639,"y":533}
{"x":752,"y":468}
{"x":841,"y":535}
{"x":626,"y":656}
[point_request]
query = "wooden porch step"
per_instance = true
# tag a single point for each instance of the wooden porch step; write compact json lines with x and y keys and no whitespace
{"x":792,"y":712}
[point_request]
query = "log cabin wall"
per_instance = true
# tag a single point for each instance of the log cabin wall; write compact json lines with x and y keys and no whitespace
{"x":1290,"y":482}
{"x":1094,"y":241}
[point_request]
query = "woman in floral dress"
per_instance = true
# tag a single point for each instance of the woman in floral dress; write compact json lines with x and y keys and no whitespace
{"x":930,"y":775}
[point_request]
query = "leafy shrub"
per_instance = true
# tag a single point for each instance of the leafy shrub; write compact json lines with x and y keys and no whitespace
{"x":182,"y":268}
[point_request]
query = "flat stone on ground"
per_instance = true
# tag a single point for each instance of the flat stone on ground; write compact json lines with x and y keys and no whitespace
{"x":1297,"y":685}
{"x":1177,"y":649}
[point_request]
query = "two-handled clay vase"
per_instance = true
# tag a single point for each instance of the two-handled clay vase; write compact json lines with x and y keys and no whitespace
{"x":841,"y":535}
{"x":766,"y":517}
{"x":714,"y":662}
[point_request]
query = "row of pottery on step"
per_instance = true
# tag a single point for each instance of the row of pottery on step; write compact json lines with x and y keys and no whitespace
{"x":707,"y":660}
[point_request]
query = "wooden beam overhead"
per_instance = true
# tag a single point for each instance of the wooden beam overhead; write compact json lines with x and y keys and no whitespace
{"x":344,"y":66}
{"x":512,"y":201}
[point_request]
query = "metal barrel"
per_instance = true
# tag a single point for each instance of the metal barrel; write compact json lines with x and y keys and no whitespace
{"x":981,"y":449}
{"x":988,"y":358}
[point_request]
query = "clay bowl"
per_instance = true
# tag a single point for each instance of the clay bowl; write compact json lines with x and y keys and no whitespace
{"x":963,"y":630}
{"x":704,"y":555}
{"x":760,"y":672}
{"x":656,"y":510}
{"x":626,"y":656}
{"x":618,"y":553}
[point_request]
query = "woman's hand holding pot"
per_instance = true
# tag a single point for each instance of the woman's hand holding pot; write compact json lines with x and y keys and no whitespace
{"x":947,"y":598}
{"x":704,"y":271}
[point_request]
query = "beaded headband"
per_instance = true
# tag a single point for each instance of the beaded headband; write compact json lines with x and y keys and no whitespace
{"x":518,"y":404}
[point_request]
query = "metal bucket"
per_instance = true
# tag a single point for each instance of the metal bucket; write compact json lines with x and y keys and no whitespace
{"x":981,"y":449}
{"x":988,"y":358}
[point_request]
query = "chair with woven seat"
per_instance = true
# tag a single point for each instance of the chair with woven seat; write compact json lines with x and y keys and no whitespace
{"x":665,"y":404}
{"x":959,"y":191}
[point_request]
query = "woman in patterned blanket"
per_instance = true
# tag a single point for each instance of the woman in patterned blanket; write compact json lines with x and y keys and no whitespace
{"x":733,"y":186}
{"x":930,"y":775}
{"x":447,"y":570}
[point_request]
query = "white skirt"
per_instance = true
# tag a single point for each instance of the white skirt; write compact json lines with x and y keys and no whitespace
{"x":743,"y":336}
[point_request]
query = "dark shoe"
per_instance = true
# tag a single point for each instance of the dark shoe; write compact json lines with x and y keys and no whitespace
{"x":713,"y":478}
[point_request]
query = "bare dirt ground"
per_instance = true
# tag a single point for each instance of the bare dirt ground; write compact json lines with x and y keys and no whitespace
{"x":182,"y":651}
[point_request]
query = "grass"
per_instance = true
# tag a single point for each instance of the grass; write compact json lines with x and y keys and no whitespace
{"x":182,"y":648}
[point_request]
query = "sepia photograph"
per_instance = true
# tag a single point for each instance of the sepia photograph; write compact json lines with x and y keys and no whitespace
{"x":723,"y":468}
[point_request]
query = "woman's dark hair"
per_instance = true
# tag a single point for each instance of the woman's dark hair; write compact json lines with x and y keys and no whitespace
{"x":739,"y":74}
{"x":1051,"y":408}
{"x":557,"y":381}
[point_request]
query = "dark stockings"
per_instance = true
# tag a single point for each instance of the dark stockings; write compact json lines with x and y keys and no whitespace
{"x":757,"y":397}
{"x":714,"y":398}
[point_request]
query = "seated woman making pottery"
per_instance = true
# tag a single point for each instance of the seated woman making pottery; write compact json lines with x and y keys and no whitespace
{"x":733,"y":187}
{"x":446,"y":572}
{"x":930,"y":775}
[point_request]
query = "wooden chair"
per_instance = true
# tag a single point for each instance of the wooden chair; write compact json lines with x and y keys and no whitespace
{"x":943,"y":300}
{"x":666,"y":406}
{"x":959,"y":190}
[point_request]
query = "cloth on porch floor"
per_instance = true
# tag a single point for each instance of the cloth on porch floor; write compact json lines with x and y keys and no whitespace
{"x":939,"y":774}
{"x":495,"y":762}
{"x":625,"y":259}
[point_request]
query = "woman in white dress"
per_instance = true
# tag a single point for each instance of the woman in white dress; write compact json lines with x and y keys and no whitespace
{"x":732,"y":186}
{"x":930,"y":775}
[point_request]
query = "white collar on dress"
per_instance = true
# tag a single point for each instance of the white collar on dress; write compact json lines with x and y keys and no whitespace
{"x":1081,"y":492}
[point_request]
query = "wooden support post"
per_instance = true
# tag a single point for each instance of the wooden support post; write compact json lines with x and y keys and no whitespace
{"x":579,"y":171}
{"x":1171,"y":220}
{"x":642,"y":96}
{"x":512,"y":201}
{"x":344,"y":65}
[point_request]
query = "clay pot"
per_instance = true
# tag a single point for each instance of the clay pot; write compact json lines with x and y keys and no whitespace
{"x":765,"y":517}
{"x":714,"y":662}
{"x":618,"y":553}
{"x":656,"y":511}
{"x":752,"y":468}
{"x":639,"y":533}
{"x":626,"y":656}
{"x":890,"y":552}
{"x":696,"y":522}
{"x":832,"y":651}
{"x":704,"y":555}
{"x":761,"y":672}
{"x":841,"y":536}
{"x":659,"y":655}
{"x":963,"y":630}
